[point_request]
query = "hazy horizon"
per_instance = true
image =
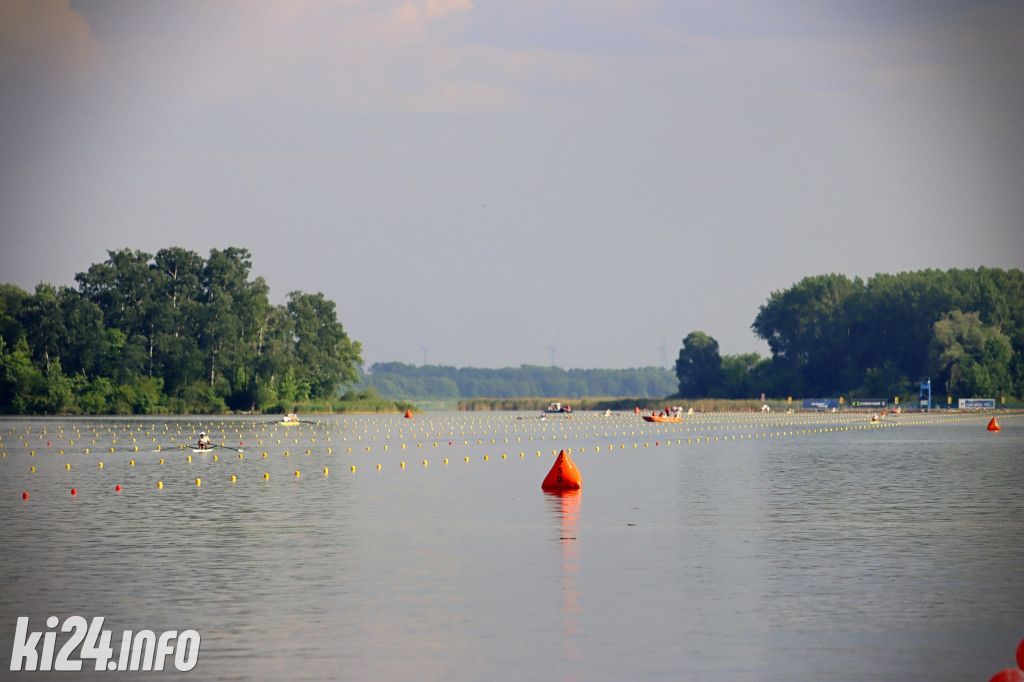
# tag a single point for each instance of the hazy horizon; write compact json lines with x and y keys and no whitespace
{"x":492,"y":185}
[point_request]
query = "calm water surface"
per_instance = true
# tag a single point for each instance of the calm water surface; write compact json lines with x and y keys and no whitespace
{"x":727,"y":547}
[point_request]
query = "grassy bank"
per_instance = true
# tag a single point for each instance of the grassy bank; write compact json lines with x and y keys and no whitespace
{"x":614,"y":404}
{"x":369,"y":406}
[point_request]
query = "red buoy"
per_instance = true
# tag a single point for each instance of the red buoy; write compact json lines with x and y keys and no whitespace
{"x":74,"y":492}
{"x":563,"y":475}
{"x":24,"y":496}
{"x":117,"y":487}
{"x":1020,"y":652}
{"x":1008,"y":675}
{"x":994,"y":425}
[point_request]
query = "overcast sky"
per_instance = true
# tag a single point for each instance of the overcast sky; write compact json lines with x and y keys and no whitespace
{"x":496,"y":183}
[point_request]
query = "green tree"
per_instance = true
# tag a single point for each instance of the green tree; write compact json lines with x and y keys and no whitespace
{"x":177,"y":280}
{"x":699,"y":365}
{"x":327,"y":357}
{"x":969,"y":356}
{"x":122,"y":289}
{"x":20,"y":381}
{"x":738,"y":378}
{"x":808,"y":328}
{"x":83,"y":346}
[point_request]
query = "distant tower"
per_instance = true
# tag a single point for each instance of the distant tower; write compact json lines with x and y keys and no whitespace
{"x":664,"y":361}
{"x":926,"y":393}
{"x":425,"y":349}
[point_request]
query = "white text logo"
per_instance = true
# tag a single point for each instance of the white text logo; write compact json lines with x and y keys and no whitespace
{"x":142,"y":650}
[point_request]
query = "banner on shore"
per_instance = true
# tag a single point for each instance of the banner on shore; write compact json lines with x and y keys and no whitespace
{"x":869,"y":402}
{"x":977,"y":403}
{"x":821,"y":403}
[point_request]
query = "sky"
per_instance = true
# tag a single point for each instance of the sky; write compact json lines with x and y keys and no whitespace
{"x":497,"y":183}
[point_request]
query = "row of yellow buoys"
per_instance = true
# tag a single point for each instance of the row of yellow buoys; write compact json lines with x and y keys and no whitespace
{"x":486,"y":427}
{"x":585,"y":433}
{"x":587,"y":430}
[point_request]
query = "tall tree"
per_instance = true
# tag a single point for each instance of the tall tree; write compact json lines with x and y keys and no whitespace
{"x":807,"y":327}
{"x":122,"y":288}
{"x":969,"y":356}
{"x":177,"y":279}
{"x":699,"y":365}
{"x":327,"y":356}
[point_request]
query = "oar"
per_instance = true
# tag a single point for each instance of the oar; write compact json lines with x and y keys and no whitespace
{"x":214,"y":445}
{"x":178,"y":446}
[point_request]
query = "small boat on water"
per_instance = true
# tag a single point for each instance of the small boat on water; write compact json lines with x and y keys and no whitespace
{"x":662,"y":419}
{"x":556,"y":408}
{"x":290,"y":419}
{"x":671,"y":415}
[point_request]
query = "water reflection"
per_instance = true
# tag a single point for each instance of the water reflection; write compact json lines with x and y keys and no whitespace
{"x":565,"y":510}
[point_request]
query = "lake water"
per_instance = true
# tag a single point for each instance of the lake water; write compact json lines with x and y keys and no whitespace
{"x":738,"y":547}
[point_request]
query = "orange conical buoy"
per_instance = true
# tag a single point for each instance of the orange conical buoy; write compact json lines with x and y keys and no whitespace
{"x":563,"y":475}
{"x":408,"y":414}
{"x":994,"y":425}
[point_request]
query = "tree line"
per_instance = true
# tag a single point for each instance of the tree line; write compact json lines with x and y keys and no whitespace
{"x":174,"y":332}
{"x":831,"y":335}
{"x":170,"y":332}
{"x":411,"y":382}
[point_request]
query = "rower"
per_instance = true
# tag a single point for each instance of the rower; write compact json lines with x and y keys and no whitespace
{"x":204,"y":441}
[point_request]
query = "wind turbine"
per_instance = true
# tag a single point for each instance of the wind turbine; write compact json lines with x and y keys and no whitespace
{"x":425,"y":349}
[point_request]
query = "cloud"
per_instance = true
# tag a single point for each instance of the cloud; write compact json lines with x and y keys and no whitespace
{"x":46,"y":39}
{"x":405,"y":58}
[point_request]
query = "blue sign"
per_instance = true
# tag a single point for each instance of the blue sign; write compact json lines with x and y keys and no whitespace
{"x":821,"y":403}
{"x":977,"y":403}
